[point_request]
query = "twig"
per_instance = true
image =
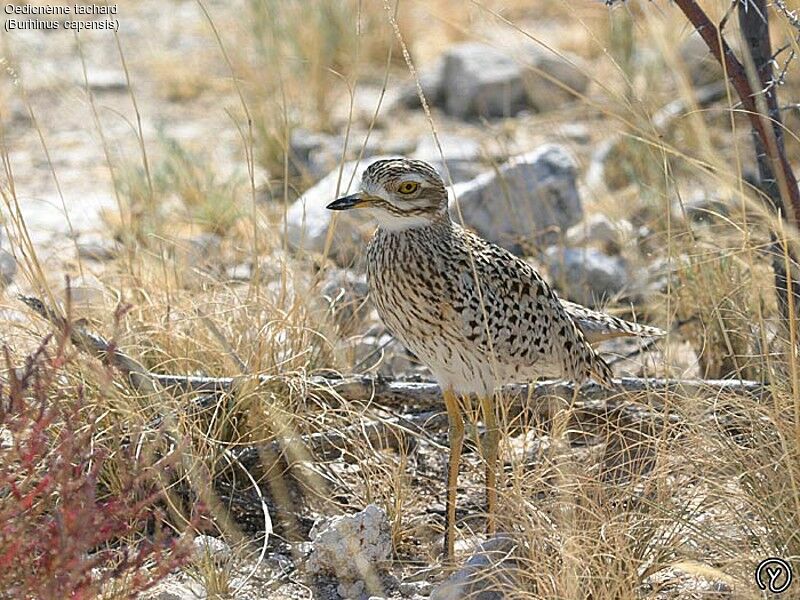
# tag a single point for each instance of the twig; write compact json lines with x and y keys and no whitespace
{"x":737,"y":75}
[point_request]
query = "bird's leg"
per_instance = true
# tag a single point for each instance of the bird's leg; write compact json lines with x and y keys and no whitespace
{"x":490,"y":443}
{"x":456,"y":439}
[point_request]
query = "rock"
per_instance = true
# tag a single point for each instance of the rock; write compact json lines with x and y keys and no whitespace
{"x":702,"y":66}
{"x":485,"y":576}
{"x":462,"y":155}
{"x":540,"y":65}
{"x":308,"y":219}
{"x":105,"y":80}
{"x":531,"y":195}
{"x":87,"y":295}
{"x":586,"y":275}
{"x":99,"y":249}
{"x":214,"y":548}
{"x":201,"y":250}
{"x":430,"y":80}
{"x":599,"y":230}
{"x":481,"y":81}
{"x":304,"y":146}
{"x":703,"y":210}
{"x":8,"y":268}
{"x":415,"y":588}
{"x":580,"y":133}
{"x":173,"y":589}
{"x":353,"y":548}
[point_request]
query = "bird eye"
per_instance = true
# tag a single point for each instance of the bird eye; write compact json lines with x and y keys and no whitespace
{"x":408,"y":187}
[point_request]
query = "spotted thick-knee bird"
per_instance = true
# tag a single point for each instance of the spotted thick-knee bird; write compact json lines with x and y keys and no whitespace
{"x":476,"y":315}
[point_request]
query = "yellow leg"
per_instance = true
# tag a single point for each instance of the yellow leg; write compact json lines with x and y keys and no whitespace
{"x":456,"y":439}
{"x":490,"y":443}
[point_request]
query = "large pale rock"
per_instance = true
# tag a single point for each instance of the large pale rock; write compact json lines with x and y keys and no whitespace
{"x":430,"y":80}
{"x":481,"y":80}
{"x":353,"y":548}
{"x":308,"y":219}
{"x":532,"y":197}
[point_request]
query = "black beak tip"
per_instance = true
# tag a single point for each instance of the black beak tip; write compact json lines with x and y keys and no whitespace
{"x":343,"y":203}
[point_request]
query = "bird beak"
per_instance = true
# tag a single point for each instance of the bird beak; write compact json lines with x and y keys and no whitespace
{"x":348,"y":202}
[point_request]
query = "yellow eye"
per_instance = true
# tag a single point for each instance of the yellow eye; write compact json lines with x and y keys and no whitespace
{"x":408,"y":187}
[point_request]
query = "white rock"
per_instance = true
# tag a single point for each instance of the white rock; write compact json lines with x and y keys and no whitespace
{"x":430,"y":80}
{"x":351,"y":547}
{"x":586,"y":275}
{"x":106,"y":80}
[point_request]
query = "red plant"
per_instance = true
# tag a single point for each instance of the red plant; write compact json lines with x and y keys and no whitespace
{"x":62,"y":534}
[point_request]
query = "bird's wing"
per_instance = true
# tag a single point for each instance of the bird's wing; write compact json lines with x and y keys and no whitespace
{"x":516,"y":316}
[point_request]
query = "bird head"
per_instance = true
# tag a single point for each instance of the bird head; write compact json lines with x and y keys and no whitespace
{"x":399,"y":193}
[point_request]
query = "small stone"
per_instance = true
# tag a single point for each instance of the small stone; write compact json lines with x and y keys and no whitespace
{"x":303,"y":142}
{"x":586,"y":275}
{"x":351,"y":548}
{"x":485,"y":576}
{"x":599,"y":230}
{"x":86,"y":293}
{"x":702,"y":66}
{"x":207,"y":546}
{"x":412,"y":588}
{"x":703,"y":210}
{"x":106,"y":80}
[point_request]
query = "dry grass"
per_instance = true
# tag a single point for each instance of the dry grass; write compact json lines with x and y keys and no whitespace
{"x":632,"y":511}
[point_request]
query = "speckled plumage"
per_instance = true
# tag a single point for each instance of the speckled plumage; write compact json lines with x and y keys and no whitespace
{"x":510,"y":328}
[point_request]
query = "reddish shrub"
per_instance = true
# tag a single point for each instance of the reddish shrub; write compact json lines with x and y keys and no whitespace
{"x":63,"y":534}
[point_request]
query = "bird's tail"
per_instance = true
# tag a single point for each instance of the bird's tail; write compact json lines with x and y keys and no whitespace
{"x":597,"y":326}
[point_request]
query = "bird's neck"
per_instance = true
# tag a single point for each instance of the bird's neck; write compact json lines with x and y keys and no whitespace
{"x":413,"y":223}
